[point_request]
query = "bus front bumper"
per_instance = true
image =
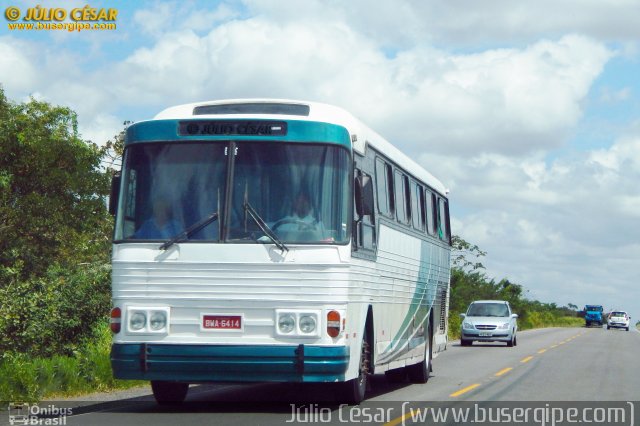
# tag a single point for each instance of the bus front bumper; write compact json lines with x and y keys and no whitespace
{"x":229,"y":363}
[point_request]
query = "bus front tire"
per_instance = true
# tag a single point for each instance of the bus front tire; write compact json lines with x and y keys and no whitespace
{"x":355,"y":389}
{"x":169,"y":393}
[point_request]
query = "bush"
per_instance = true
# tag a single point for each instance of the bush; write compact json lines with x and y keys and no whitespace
{"x":467,"y":286}
{"x":29,"y":379}
{"x":52,"y":314}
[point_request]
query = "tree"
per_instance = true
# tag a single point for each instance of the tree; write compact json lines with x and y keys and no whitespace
{"x":461,"y":252}
{"x":52,"y":191}
{"x":54,"y":230}
{"x":114,"y":149}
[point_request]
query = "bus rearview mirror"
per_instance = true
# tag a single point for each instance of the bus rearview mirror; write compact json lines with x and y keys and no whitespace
{"x":114,"y":194}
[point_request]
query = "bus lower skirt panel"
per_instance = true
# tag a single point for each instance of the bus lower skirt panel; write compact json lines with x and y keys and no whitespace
{"x":229,"y":363}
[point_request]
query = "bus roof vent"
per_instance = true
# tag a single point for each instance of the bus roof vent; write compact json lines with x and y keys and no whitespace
{"x":252,"y":108}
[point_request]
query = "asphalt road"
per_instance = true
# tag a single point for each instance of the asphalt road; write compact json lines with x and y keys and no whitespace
{"x":557,"y":364}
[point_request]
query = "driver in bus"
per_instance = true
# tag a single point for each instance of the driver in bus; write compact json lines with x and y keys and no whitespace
{"x":160,"y":225}
{"x":302,"y":217}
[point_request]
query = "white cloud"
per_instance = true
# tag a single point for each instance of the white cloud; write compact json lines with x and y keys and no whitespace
{"x":463,"y":23}
{"x":17,"y":70}
{"x":155,"y":21}
{"x":101,"y":128}
{"x":609,"y":95}
{"x":506,"y":101}
{"x":167,"y":17}
{"x":509,"y":101}
{"x":563,"y":228}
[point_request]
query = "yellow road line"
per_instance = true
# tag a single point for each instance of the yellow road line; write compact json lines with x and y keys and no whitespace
{"x":541,"y":351}
{"x":527,"y":359}
{"x":465,"y":390}
{"x":503,"y":371}
{"x":554,"y":346}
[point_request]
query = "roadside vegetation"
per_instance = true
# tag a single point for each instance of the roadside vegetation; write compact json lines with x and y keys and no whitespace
{"x":55,"y":236}
{"x":469,"y":282}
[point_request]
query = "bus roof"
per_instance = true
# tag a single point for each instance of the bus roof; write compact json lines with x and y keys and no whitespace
{"x":361,"y":134}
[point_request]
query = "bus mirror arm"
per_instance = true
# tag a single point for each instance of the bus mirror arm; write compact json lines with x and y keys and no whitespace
{"x":363,"y":192}
{"x":114,"y":194}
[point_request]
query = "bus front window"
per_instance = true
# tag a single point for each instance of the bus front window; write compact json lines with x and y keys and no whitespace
{"x":299,"y":190}
{"x":169,"y":187}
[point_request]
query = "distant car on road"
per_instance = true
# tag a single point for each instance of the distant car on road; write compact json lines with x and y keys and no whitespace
{"x":618,"y":319}
{"x":489,"y":321}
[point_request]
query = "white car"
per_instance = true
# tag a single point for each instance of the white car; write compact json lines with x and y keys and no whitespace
{"x":618,"y":319}
{"x":489,"y":321}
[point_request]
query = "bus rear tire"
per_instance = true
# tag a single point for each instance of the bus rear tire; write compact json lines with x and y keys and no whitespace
{"x":169,"y":393}
{"x":419,"y":373}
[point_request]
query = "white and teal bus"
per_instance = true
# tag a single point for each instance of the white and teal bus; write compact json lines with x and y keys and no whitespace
{"x":274,"y":241}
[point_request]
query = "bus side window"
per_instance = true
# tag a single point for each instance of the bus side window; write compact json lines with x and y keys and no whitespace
{"x":429,"y":204}
{"x":384,"y":187}
{"x":403,"y":201}
{"x":398,"y":181}
{"x":444,"y":230}
{"x":417,"y":206}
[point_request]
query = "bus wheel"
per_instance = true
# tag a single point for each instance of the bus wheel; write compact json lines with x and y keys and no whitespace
{"x":355,"y":389}
{"x":169,"y":393}
{"x":419,"y":373}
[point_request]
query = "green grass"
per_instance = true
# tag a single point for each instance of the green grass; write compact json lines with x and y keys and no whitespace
{"x":29,"y":379}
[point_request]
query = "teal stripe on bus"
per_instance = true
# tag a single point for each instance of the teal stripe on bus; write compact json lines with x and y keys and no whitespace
{"x":236,"y":363}
{"x":297,"y":131}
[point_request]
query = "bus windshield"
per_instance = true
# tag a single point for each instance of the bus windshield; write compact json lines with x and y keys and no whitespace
{"x":300,"y":191}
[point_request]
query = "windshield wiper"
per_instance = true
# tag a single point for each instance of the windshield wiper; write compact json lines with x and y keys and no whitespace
{"x":184,"y":235}
{"x":263,"y":226}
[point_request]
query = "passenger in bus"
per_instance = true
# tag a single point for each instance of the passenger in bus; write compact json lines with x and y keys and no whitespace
{"x":161,"y":224}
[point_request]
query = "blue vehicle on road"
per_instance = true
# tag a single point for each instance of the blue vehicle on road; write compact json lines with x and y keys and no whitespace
{"x":593,"y":315}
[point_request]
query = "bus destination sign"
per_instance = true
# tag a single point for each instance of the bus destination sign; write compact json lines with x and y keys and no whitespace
{"x":232,"y":128}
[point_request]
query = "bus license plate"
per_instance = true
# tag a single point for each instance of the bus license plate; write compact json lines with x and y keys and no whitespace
{"x":485,"y":334}
{"x":222,"y":322}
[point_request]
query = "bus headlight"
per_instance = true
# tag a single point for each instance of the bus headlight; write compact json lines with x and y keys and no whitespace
{"x":137,"y":321}
{"x":297,"y":323}
{"x":158,"y":320}
{"x":148,"y":320}
{"x":307,"y":324}
{"x":286,"y":323}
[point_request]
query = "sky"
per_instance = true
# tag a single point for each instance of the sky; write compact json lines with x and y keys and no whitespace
{"x":528,"y":111}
